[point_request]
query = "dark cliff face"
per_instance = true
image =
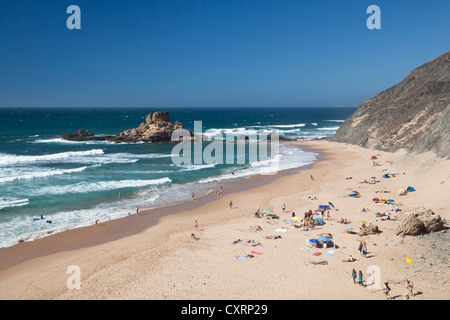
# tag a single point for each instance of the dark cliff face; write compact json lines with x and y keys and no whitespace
{"x":412,"y":115}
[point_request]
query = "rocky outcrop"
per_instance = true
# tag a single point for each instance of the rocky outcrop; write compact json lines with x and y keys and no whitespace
{"x":369,"y":230}
{"x":412,"y":115}
{"x":83,"y":135}
{"x":156,"y":128}
{"x":420,"y":222}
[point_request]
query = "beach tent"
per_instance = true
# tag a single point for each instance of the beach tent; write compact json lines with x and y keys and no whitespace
{"x":386,"y":176}
{"x":312,"y":242}
{"x":373,"y":158}
{"x":354,"y":194}
{"x":319,"y":221}
{"x":410,"y":189}
{"x":402,"y":192}
{"x":326,"y":242}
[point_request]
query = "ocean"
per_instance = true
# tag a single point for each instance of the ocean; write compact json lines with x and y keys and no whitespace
{"x":49,"y":185}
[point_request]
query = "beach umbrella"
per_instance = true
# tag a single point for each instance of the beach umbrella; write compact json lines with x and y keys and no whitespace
{"x":348,"y":228}
{"x":325,"y":239}
{"x":361,"y":221}
{"x":312,"y":242}
{"x":296,"y":219}
{"x":268,"y":211}
{"x":290,"y":221}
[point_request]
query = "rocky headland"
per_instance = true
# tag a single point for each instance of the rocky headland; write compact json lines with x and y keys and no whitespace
{"x":412,"y":115}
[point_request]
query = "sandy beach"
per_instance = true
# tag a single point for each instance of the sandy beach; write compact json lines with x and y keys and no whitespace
{"x":154,"y":256}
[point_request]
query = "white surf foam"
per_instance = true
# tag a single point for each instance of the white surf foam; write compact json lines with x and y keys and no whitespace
{"x":12,"y":202}
{"x":38,"y":173}
{"x":10,"y":159}
{"x":99,"y":186}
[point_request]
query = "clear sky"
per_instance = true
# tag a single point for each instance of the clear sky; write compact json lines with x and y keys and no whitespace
{"x":213,"y":53}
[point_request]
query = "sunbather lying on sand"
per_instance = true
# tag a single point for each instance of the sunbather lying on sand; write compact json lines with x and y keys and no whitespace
{"x":272,"y":237}
{"x":350,"y":259}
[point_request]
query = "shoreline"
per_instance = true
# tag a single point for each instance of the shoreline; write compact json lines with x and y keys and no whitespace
{"x":163,"y":262}
{"x":111,"y":230}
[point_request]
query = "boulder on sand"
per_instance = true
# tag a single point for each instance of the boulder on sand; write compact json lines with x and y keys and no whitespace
{"x":368,"y":230}
{"x":420,"y":222}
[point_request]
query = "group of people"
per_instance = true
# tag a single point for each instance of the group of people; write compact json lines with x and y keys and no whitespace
{"x":219,"y":192}
{"x":409,"y":290}
{"x":363,"y":248}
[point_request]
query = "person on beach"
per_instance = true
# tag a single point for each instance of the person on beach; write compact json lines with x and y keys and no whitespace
{"x":120,"y":196}
{"x":257,"y":208}
{"x":386,"y":290}
{"x":221,"y":192}
{"x":312,"y":178}
{"x":364,"y":250}
{"x":354,"y":276}
{"x":196,"y":224}
{"x":409,"y":287}
{"x":283,"y":207}
{"x":231,"y":204}
{"x":360,"y":278}
{"x":137,"y":210}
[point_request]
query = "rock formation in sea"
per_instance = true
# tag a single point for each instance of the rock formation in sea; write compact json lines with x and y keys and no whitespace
{"x":412,"y":115}
{"x":156,"y":128}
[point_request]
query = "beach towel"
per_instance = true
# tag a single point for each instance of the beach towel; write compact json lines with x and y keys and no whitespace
{"x":316,"y":254}
{"x":280,"y":230}
{"x":254,"y":252}
{"x":241,"y":257}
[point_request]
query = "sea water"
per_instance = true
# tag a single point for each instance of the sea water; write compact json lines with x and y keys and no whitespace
{"x":73,"y":184}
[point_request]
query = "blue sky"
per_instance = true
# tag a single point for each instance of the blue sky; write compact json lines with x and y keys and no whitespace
{"x":212,"y":53}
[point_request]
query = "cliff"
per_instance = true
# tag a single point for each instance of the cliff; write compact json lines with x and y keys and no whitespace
{"x":412,"y":115}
